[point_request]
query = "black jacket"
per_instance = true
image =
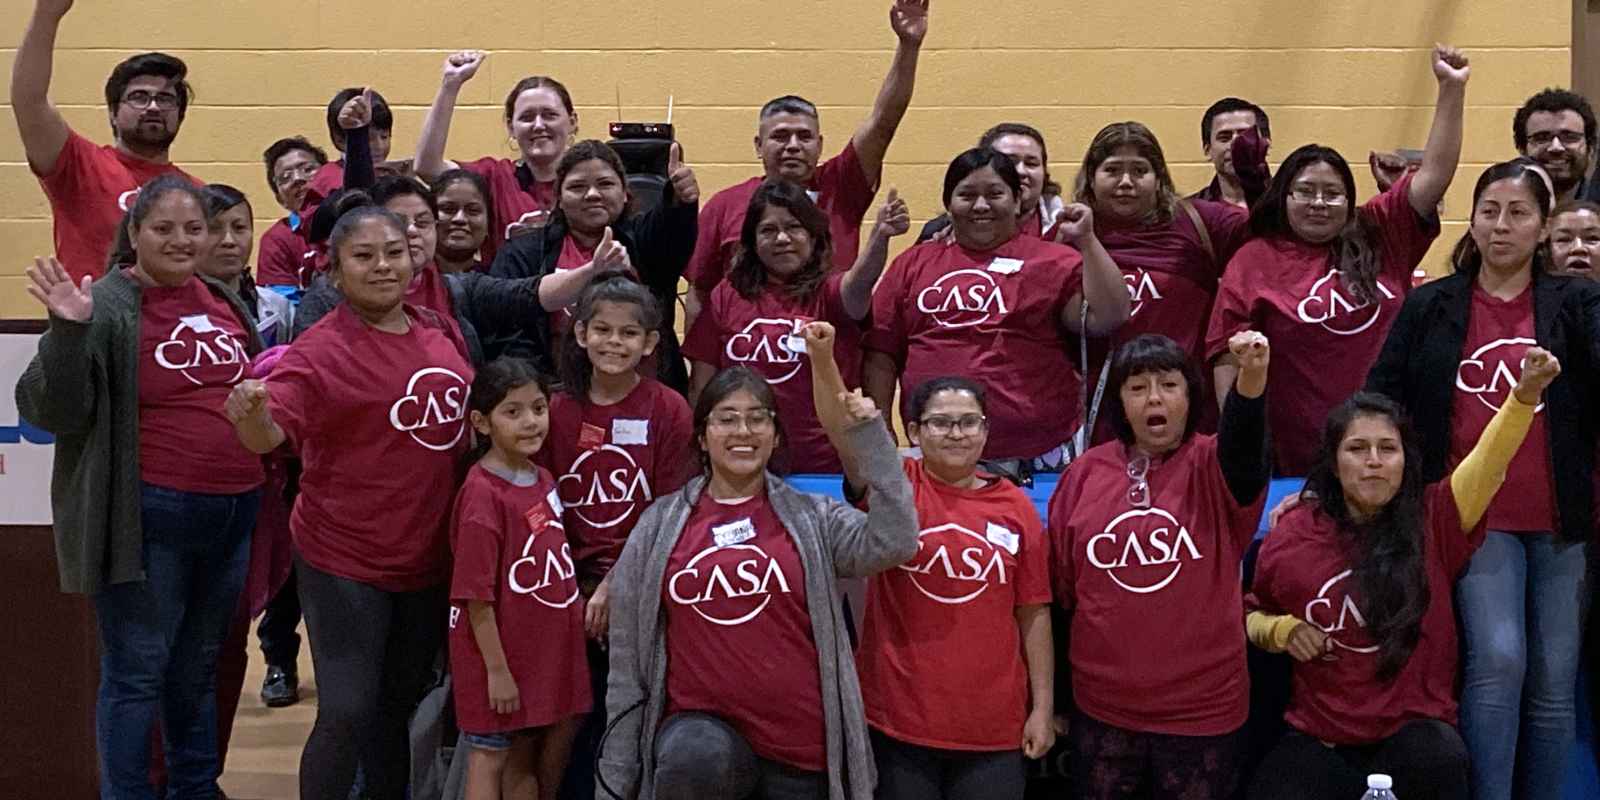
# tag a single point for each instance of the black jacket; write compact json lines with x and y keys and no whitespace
{"x":1418,"y":364}
{"x":659,"y":241}
{"x":487,"y":309}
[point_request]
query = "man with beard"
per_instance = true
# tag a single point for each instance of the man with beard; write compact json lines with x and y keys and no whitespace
{"x":1557,"y":129}
{"x":91,"y":186}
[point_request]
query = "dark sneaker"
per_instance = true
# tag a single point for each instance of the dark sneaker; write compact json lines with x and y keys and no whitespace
{"x":280,"y":689}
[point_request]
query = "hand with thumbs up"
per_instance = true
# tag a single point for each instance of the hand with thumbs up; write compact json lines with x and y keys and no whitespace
{"x":357,"y":111}
{"x":684,"y":184}
{"x":894,"y":218}
{"x":609,"y":254}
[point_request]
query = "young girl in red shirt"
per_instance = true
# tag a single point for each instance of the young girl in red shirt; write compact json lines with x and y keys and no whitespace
{"x":516,"y":618}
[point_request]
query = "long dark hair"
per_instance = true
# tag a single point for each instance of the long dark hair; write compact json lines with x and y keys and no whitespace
{"x":1354,"y":249}
{"x":1150,"y":352}
{"x":724,"y":383}
{"x":613,"y":286}
{"x":490,"y":386}
{"x":1388,"y":548}
{"x":1466,"y":258}
{"x":748,"y":275}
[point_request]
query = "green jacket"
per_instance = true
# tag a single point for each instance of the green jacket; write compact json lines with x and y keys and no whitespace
{"x":83,"y":386}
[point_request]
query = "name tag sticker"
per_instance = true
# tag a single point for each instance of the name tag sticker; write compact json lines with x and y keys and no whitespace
{"x":555,"y":502}
{"x":591,"y":436}
{"x":199,"y":323}
{"x":1006,"y":266}
{"x":630,"y":431}
{"x":1003,"y":538}
{"x":795,"y":343}
{"x":733,"y":532}
{"x":813,"y":194}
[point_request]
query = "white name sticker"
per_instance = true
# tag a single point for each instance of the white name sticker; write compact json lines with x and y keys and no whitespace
{"x":1006,"y":266}
{"x":555,"y":502}
{"x":795,"y":343}
{"x":813,"y":194}
{"x":199,"y":323}
{"x":1002,"y":537}
{"x":630,"y":431}
{"x":733,"y":533}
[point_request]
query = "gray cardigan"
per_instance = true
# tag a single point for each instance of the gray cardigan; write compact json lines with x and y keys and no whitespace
{"x":83,"y":386}
{"x":835,"y":541}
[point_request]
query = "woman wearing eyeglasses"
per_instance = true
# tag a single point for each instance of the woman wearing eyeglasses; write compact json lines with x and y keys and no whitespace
{"x":1147,"y":533}
{"x":956,"y":660}
{"x":1325,"y":279}
{"x":731,"y":672}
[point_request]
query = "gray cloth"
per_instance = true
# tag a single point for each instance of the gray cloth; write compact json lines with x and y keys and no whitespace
{"x":834,"y":540}
{"x":83,"y":386}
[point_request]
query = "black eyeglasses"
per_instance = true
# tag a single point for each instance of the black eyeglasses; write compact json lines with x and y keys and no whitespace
{"x":166,"y":101}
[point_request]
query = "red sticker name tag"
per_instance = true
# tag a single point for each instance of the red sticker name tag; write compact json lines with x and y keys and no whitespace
{"x":591,"y":436}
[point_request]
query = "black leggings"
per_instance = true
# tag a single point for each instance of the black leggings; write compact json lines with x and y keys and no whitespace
{"x":912,"y":772}
{"x":374,"y":653}
{"x":1426,"y":758}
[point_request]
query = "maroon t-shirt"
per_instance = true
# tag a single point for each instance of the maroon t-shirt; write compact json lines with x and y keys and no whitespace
{"x":511,"y":551}
{"x":328,"y":178}
{"x":761,"y":334}
{"x":90,"y":188}
{"x":941,"y":660}
{"x":1157,"y":634}
{"x":192,"y":350}
{"x":1323,"y":339}
{"x":611,"y":462}
{"x":739,"y":639}
{"x":1499,"y":332}
{"x":994,"y":317}
{"x":839,"y":186}
{"x":379,"y":421}
{"x":510,"y":200}
{"x":1305,"y":569}
{"x":283,"y":253}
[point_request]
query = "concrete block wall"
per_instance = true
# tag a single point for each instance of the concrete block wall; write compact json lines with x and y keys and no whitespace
{"x":1354,"y":75}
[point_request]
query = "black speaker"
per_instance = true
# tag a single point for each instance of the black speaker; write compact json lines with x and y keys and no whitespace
{"x":646,"y":150}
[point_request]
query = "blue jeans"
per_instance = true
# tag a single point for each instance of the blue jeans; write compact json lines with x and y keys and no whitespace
{"x":159,"y":640}
{"x":1522,"y":607}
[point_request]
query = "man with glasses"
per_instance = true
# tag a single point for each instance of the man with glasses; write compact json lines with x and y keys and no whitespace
{"x":90,"y":186}
{"x":1557,"y":128}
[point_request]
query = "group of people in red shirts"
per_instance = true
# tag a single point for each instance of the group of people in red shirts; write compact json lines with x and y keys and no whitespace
{"x":448,"y":417}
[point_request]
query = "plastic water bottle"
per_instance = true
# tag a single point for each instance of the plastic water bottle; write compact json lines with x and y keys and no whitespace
{"x":1379,"y":788}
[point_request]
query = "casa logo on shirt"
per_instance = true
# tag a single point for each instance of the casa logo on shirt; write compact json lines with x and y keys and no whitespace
{"x":204,"y":354}
{"x":954,"y":565}
{"x":1491,"y":372}
{"x":1327,"y":305}
{"x":765,"y":345}
{"x":545,"y":571}
{"x":1335,"y":613}
{"x":963,"y":298}
{"x":603,"y":486}
{"x":1141,"y":289}
{"x":1143,"y":550}
{"x":433,"y":411}
{"x":729,"y":584}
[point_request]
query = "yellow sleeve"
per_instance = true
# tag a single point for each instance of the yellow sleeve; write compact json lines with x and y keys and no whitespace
{"x":1479,"y":475}
{"x":1270,"y":632}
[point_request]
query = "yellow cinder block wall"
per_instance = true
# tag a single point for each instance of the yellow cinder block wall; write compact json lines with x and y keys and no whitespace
{"x":1354,"y":75}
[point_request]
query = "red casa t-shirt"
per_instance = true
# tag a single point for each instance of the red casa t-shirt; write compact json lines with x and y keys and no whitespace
{"x":511,"y":200}
{"x":611,"y":462}
{"x":511,"y":551}
{"x":1499,"y":332}
{"x":429,"y":290}
{"x":1323,"y":339}
{"x":941,"y":659}
{"x":839,"y":186}
{"x":192,"y":350}
{"x":739,"y":639}
{"x":379,"y":421}
{"x":994,"y":317}
{"x":1305,"y":569}
{"x":283,"y":253}
{"x":1157,"y":633}
{"x":760,"y":334}
{"x":90,"y":189}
